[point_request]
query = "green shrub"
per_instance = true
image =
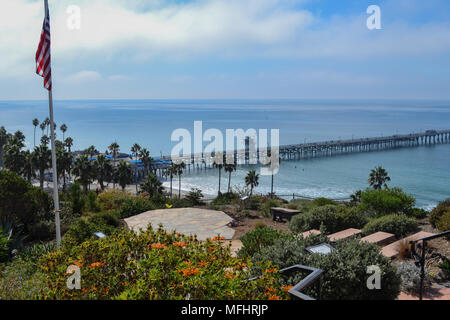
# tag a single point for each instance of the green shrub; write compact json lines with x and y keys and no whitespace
{"x":83,"y":229}
{"x":300,"y":204}
{"x":255,"y":240}
{"x":333,"y":218}
{"x":438,"y":212}
{"x":4,"y":246}
{"x":387,"y":201}
{"x":195,"y":197}
{"x":91,"y":202}
{"x":353,"y":218}
{"x":265,"y":210}
{"x":225,"y":198}
{"x":22,"y":204}
{"x":76,"y":198}
{"x":319,"y":202}
{"x":419,"y":213}
{"x":113,"y":199}
{"x":134,"y":206}
{"x":152,"y":186}
{"x":443,"y":223}
{"x":398,"y":224}
{"x":345,"y":268}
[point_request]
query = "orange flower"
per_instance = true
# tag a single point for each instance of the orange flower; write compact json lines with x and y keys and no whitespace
{"x":179,"y":244}
{"x":158,"y":246}
{"x":274,"y":297}
{"x":229,"y":275}
{"x":271,"y":289}
{"x":218,"y":238}
{"x":78,"y":264}
{"x":96,"y":264}
{"x":287,"y":288}
{"x":203,"y":264}
{"x":271,"y":270}
{"x":189,"y":272}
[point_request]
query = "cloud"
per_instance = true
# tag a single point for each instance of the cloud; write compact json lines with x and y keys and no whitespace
{"x":84,"y":76}
{"x":122,"y":37}
{"x":119,"y":77}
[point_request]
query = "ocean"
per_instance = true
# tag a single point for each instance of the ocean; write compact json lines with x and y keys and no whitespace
{"x":423,"y":172}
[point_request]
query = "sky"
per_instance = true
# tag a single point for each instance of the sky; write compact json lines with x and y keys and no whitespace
{"x":229,"y":49}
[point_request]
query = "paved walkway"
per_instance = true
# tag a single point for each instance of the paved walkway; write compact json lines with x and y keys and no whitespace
{"x":204,"y":223}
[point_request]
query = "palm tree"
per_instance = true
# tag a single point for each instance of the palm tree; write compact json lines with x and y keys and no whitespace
{"x":63,"y":129}
{"x":230,"y":167}
{"x":135,"y":150}
{"x":28,"y":167}
{"x":146,"y":160}
{"x":83,"y":169}
{"x":69,"y":143}
{"x":91,"y":151}
{"x":171,"y":171}
{"x":252,"y":180}
{"x":378,"y":178}
{"x":43,"y":125}
{"x":47,"y":124}
{"x":152,"y":185}
{"x":219,"y":166}
{"x":124,"y":174}
{"x":14,"y":156}
{"x":356,"y":197}
{"x":63,"y":163}
{"x":41,"y":160}
{"x":45,"y":140}
{"x":114,"y":149}
{"x":103,"y":170}
{"x":35,"y":124}
{"x":4,"y":137}
{"x":179,"y":171}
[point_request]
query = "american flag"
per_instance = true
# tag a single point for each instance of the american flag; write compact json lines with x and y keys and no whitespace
{"x":43,"y":65}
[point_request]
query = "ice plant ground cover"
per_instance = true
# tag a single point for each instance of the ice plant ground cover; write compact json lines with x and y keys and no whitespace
{"x":155,"y":264}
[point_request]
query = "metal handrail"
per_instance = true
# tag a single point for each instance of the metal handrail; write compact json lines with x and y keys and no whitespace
{"x":421,"y":259}
{"x":304,"y":283}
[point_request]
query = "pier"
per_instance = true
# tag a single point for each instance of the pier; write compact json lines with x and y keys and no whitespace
{"x":337,"y":147}
{"x":326,"y":148}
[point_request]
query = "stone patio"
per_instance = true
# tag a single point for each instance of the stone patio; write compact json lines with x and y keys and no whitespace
{"x":204,"y":223}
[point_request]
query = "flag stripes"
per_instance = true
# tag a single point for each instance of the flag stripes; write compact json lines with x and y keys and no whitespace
{"x":43,"y":65}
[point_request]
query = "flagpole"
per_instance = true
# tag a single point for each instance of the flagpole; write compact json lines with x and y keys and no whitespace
{"x":55,"y":171}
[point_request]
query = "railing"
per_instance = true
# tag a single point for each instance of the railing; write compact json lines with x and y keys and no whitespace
{"x":421,"y":258}
{"x":299,"y":196}
{"x":306,"y":282}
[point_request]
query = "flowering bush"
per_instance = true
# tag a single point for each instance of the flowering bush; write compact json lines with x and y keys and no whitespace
{"x":155,"y":265}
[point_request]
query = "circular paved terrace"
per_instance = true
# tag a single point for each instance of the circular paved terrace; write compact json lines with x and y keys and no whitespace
{"x":204,"y":223}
